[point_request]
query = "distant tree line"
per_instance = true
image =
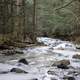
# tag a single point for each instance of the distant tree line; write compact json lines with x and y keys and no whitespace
{"x":22,"y":19}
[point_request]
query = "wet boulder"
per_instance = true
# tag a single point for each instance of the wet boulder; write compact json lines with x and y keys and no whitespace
{"x":17,"y":70}
{"x":62,"y":66}
{"x":64,"y":62}
{"x":24,"y":61}
{"x":68,"y":78}
{"x":77,"y":56}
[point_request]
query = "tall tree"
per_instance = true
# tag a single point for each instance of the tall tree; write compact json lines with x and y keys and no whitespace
{"x":33,"y":35}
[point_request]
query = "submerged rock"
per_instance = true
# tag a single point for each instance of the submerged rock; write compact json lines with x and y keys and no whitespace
{"x":74,"y":71}
{"x":34,"y":79}
{"x":19,"y":51}
{"x":17,"y":70}
{"x":51,"y":72}
{"x":77,"y":56}
{"x":24,"y":61}
{"x":63,"y":66}
{"x":4,"y":72}
{"x":53,"y":79}
{"x":68,"y":78}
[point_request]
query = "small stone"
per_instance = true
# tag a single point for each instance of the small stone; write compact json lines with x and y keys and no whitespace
{"x":24,"y":61}
{"x":51,"y":72}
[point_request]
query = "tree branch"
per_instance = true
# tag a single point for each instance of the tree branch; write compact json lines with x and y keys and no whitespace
{"x":65,"y":5}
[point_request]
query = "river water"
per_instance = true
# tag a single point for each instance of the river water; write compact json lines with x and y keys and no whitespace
{"x":40,"y":59}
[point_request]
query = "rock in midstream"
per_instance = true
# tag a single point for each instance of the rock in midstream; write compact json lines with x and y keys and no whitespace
{"x":17,"y":70}
{"x":8,"y":52}
{"x":68,"y":78}
{"x":63,"y":64}
{"x":77,"y":56}
{"x":24,"y":61}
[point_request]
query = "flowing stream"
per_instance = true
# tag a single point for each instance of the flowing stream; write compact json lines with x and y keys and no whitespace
{"x":41,"y":59}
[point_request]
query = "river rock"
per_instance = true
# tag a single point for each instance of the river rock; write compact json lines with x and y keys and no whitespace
{"x":51,"y":72}
{"x":4,"y":72}
{"x":53,"y":79}
{"x":18,"y":51}
{"x":64,"y":62}
{"x":68,"y":78}
{"x":74,"y":72}
{"x":17,"y":70}
{"x":24,"y":61}
{"x":8,"y":52}
{"x":3,"y":47}
{"x":63,"y":66}
{"x":77,"y":46}
{"x":34,"y":79}
{"x":77,"y":56}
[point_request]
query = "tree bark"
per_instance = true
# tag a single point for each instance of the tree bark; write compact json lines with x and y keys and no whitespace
{"x":34,"y":22}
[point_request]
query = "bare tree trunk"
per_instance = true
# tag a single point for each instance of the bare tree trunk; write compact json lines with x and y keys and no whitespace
{"x":34,"y":22}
